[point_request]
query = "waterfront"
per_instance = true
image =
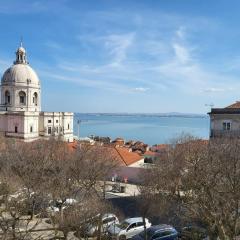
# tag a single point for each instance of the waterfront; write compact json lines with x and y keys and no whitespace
{"x":148,"y":128}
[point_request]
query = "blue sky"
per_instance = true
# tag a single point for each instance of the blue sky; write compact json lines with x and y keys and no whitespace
{"x":128,"y":55}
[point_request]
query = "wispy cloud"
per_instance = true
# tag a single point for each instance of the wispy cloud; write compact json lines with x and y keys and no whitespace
{"x":141,"y":89}
{"x":117,"y":45}
{"x":216,"y":90}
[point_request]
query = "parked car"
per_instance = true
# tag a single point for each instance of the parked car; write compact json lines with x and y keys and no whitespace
{"x":128,"y":228}
{"x":55,"y":205}
{"x":158,"y":232}
{"x":193,"y":233}
{"x":107,"y":220}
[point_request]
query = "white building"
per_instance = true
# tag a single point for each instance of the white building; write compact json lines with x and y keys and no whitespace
{"x":20,"y":107}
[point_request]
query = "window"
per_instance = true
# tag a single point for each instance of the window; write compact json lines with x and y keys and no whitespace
{"x":132,"y":226}
{"x":139,"y":224}
{"x":49,"y":130}
{"x":31,"y":129}
{"x":7,"y":97}
{"x":56,"y":121}
{"x":35,"y":98}
{"x":56,"y":129}
{"x":22,"y":97}
{"x":226,"y":126}
{"x":49,"y":121}
{"x":68,"y":126}
{"x":108,"y":220}
{"x":16,"y":129}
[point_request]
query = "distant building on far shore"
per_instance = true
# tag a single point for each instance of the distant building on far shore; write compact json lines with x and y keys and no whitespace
{"x":225,"y":122}
{"x":20,"y":109}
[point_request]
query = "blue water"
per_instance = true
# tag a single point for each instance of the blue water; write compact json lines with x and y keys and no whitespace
{"x":150,"y":129}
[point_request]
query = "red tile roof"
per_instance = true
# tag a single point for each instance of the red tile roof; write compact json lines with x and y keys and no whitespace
{"x":234,"y":105}
{"x":121,"y":154}
{"x":127,"y":156}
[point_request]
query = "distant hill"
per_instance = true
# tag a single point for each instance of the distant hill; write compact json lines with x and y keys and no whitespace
{"x":170,"y":114}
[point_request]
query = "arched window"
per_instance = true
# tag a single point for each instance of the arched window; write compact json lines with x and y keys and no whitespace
{"x":22,"y":98}
{"x":7,"y":97}
{"x":35,"y":99}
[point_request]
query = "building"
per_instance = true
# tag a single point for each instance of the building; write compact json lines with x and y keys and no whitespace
{"x":225,"y":121}
{"x":20,"y":108}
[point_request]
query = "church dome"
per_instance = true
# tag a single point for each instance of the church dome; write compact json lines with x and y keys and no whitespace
{"x":20,"y":72}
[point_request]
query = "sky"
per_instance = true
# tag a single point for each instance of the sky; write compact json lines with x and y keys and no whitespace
{"x":135,"y":56}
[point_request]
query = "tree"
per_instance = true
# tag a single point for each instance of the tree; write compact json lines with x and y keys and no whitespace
{"x":204,"y":178}
{"x":38,"y":175}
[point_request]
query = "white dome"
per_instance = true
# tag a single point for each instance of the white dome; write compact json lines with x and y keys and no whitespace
{"x":20,"y":73}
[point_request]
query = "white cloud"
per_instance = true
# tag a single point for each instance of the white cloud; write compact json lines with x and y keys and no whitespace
{"x":118,"y":46}
{"x":215,"y":90}
{"x":182,"y":53}
{"x":141,"y":89}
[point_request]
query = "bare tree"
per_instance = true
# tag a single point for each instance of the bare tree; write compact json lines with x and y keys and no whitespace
{"x":205,"y":179}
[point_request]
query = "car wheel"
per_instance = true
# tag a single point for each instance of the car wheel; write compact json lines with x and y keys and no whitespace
{"x":122,"y":237}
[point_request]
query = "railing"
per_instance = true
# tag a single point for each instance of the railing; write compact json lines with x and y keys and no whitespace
{"x":224,"y":133}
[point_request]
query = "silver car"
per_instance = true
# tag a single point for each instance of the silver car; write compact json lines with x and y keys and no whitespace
{"x":107,"y":220}
{"x":128,"y":228}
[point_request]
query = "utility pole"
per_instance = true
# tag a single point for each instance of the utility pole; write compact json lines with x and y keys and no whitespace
{"x":78,"y":123}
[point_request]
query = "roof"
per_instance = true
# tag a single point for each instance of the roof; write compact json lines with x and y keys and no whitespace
{"x":234,"y":105}
{"x":21,"y":74}
{"x":120,"y":154}
{"x":151,"y":153}
{"x":126,"y":156}
{"x":135,"y":219}
{"x":161,"y":227}
{"x":231,"y":109}
{"x":159,"y":147}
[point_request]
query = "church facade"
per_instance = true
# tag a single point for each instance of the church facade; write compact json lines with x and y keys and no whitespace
{"x":20,"y":108}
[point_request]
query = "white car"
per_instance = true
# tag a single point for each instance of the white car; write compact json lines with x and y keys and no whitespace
{"x":128,"y":228}
{"x":54,"y":205}
{"x":107,"y":220}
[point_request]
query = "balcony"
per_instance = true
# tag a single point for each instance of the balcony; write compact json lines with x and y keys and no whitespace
{"x":224,"y":133}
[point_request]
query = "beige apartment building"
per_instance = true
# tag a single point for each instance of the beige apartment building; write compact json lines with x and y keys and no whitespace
{"x":225,"y":121}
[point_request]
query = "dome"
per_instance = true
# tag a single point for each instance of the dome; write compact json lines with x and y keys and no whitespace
{"x":20,"y":73}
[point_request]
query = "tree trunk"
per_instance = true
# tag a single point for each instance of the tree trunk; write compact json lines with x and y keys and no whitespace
{"x":99,"y":232}
{"x":145,"y":228}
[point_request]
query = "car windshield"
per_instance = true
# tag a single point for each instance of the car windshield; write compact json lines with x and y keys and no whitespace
{"x":150,"y":233}
{"x":123,"y":225}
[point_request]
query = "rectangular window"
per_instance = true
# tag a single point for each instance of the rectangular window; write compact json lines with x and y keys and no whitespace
{"x":56,"y":121}
{"x":56,"y":129}
{"x":8,"y":99}
{"x":22,"y":99}
{"x":49,"y":130}
{"x":226,"y":126}
{"x":31,"y":129}
{"x":49,"y":121}
{"x":68,"y":126}
{"x":16,"y":129}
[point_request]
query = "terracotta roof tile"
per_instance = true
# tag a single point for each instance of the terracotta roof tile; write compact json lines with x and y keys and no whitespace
{"x":234,"y":105}
{"x":128,"y":157}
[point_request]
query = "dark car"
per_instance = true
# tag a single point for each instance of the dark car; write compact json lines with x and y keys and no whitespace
{"x":158,"y":232}
{"x":193,"y":233}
